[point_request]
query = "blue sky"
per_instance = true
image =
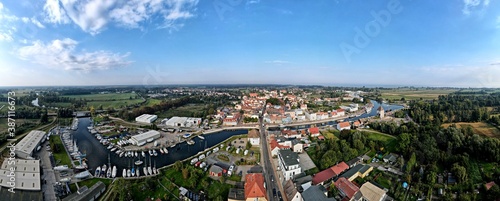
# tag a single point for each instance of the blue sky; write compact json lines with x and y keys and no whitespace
{"x":327,"y":42}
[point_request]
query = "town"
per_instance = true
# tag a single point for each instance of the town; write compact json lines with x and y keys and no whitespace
{"x":239,"y":143}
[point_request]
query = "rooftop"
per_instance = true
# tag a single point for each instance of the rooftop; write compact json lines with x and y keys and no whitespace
{"x":27,"y":174}
{"x":371,"y":192}
{"x":347,"y":187}
{"x":314,"y":130}
{"x":254,"y":186}
{"x":254,"y":133}
{"x":29,"y":143}
{"x":236,"y":194}
{"x":339,"y":168}
{"x":146,"y":135}
{"x":87,"y":194}
{"x":316,"y":193}
{"x":289,"y":157}
{"x":344,"y":124}
{"x":290,"y":190}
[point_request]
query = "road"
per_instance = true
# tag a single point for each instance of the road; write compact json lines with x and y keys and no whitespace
{"x":267,"y":166}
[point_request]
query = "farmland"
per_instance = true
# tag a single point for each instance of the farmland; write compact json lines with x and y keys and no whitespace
{"x":414,"y":94}
{"x":115,"y":100}
{"x":479,"y":128}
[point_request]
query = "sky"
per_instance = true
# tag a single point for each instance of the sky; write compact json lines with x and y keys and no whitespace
{"x":452,"y":43}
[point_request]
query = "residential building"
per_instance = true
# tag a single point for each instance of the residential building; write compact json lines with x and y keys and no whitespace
{"x":314,"y":132}
{"x":291,"y":192}
{"x":291,"y":134}
{"x":316,"y":193}
{"x":216,"y":171}
{"x":355,"y":161}
{"x":359,"y":170}
{"x":370,"y":192}
{"x":346,"y":188}
{"x":230,"y":122}
{"x":275,"y":147}
{"x":289,"y":163}
{"x":254,"y":187}
{"x":321,"y":115}
{"x":343,"y":126}
{"x":29,"y":144}
{"x":297,"y":146}
{"x":340,"y":112}
{"x":325,"y":176}
{"x":254,"y":137}
{"x":390,"y":158}
{"x":311,"y":116}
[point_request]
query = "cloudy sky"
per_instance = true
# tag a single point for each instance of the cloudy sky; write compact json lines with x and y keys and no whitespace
{"x":327,"y":42}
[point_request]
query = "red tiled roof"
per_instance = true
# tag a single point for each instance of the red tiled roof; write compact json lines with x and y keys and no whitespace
{"x":275,"y":144}
{"x":254,"y":186}
{"x":489,"y":185}
{"x":339,"y":168}
{"x":344,"y":124}
{"x":347,"y":187}
{"x":314,"y":130}
{"x":321,"y":137}
{"x":340,"y":110}
{"x":323,"y":176}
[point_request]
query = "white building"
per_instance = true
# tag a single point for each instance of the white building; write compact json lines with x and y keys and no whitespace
{"x":29,"y":144}
{"x":183,"y":122}
{"x":146,"y":118}
{"x":141,"y":139}
{"x":311,"y":117}
{"x":253,"y":137}
{"x":289,"y":163}
{"x":26,"y":174}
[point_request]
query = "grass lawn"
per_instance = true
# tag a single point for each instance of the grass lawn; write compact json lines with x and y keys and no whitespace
{"x":414,"y":94}
{"x":390,"y":141}
{"x":328,"y":135}
{"x":383,"y":181}
{"x":107,"y":100}
{"x":480,"y":128}
{"x":61,"y":155}
{"x":234,"y":177}
{"x":152,"y":101}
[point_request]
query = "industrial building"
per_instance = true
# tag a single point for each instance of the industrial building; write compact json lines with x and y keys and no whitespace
{"x":27,"y":174}
{"x":141,"y":139}
{"x":183,"y":122}
{"x":146,"y":118}
{"x":26,"y":147}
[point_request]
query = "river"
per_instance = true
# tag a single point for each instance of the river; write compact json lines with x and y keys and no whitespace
{"x":97,"y":154}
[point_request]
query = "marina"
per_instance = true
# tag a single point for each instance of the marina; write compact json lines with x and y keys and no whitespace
{"x":96,"y":154}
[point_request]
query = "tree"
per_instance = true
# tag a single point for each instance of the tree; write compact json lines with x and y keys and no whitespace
{"x":411,"y":163}
{"x":178,"y":165}
{"x":44,"y":118}
{"x":329,"y":159}
{"x":460,"y":172}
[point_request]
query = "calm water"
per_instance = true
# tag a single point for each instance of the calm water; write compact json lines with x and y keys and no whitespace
{"x":97,"y":154}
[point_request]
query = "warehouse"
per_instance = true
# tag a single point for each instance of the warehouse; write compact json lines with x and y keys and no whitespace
{"x":27,"y":174}
{"x":146,"y":118}
{"x":183,"y":122}
{"x":141,"y":139}
{"x":26,"y":147}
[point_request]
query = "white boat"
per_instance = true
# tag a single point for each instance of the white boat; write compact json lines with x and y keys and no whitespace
{"x":154,"y":153}
{"x":150,"y":152}
{"x":114,"y":149}
{"x":97,"y":171}
{"x":173,"y":145}
{"x":155,"y":171}
{"x":132,"y":173}
{"x":38,"y":148}
{"x":66,"y":179}
{"x":124,"y":173}
{"x":142,"y":143}
{"x":150,"y":171}
{"x":135,"y":154}
{"x":165,"y":150}
{"x":110,"y":146}
{"x":113,"y":173}
{"x":139,"y":162}
{"x":161,"y":151}
{"x":61,"y":168}
{"x":121,"y":154}
{"x":187,"y":135}
{"x":156,"y":143}
{"x":143,"y":154}
{"x":128,"y":173}
{"x":138,"y":172}
{"x":190,"y":142}
{"x":82,"y":175}
{"x":149,"y":140}
{"x":145,"y":170}
{"x":103,"y":170}
{"x":201,"y":137}
{"x":108,"y":173}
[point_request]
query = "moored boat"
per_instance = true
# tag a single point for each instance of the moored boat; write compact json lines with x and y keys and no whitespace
{"x":139,"y":162}
{"x":82,"y":175}
{"x":97,"y":171}
{"x":124,"y":173}
{"x":113,"y":173}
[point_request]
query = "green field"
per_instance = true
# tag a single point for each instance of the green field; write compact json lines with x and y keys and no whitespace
{"x":152,"y":101}
{"x":61,"y":156}
{"x":390,"y":141}
{"x":115,"y":100}
{"x":414,"y":94}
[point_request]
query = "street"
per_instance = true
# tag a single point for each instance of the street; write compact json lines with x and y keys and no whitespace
{"x":269,"y":173}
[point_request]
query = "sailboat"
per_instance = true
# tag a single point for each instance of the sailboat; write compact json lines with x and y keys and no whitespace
{"x":145,"y":169}
{"x":128,"y":173}
{"x":154,"y":169}
{"x":165,"y":150}
{"x":138,"y":172}
{"x":161,"y":151}
{"x":97,"y":171}
{"x":135,"y":154}
{"x":143,"y":154}
{"x":124,"y":174}
{"x":132,"y":172}
{"x":150,"y":170}
{"x":108,"y":173}
{"x":103,"y":170}
{"x":154,"y":153}
{"x":113,"y":174}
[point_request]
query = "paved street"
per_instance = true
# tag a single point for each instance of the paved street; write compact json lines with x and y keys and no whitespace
{"x":48,"y":174}
{"x":269,"y":172}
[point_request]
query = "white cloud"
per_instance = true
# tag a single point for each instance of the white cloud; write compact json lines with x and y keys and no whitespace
{"x":253,"y":1}
{"x":93,"y":16}
{"x":62,"y":54}
{"x":470,"y":5}
{"x":277,"y":62}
